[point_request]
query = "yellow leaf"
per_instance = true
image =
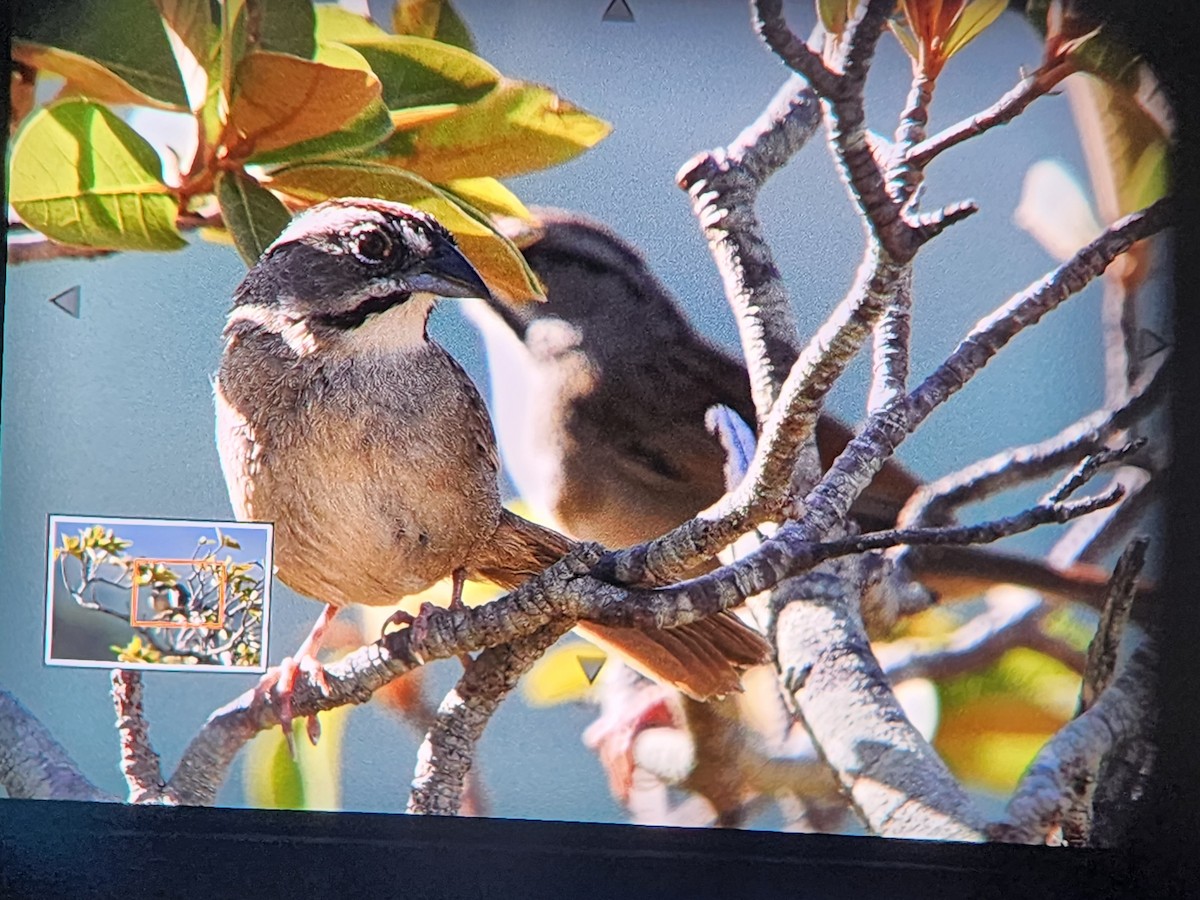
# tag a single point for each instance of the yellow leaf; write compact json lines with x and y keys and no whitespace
{"x":516,"y":128}
{"x":992,"y":741}
{"x":489,"y":196}
{"x":498,"y":261}
{"x":271,"y":779}
{"x":973,"y":20}
{"x":337,"y":24}
{"x":84,"y":76}
{"x":281,"y":100}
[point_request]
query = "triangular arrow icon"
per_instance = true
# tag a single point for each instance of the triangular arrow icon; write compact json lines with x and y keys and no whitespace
{"x":618,"y":11}
{"x":1149,"y":344}
{"x":591,"y":666}
{"x":68,"y":301}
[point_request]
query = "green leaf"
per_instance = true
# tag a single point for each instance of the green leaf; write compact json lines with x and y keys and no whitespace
{"x":285,"y":26}
{"x":255,"y":217}
{"x":497,"y":259}
{"x":336,"y":24}
{"x":517,"y":128}
{"x":279,"y":100}
{"x":82,"y":176}
{"x":975,"y":18}
{"x":420,"y":72}
{"x":124,"y":37}
{"x":435,"y":19}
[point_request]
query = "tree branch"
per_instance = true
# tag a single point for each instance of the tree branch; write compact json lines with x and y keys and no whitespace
{"x":1013,"y":618}
{"x":937,"y":501}
{"x":1064,"y":772}
{"x":893,"y":778}
{"x":33,"y":765}
{"x":139,"y":762}
{"x":448,"y":751}
{"x":1004,"y":110}
{"x":723,"y":185}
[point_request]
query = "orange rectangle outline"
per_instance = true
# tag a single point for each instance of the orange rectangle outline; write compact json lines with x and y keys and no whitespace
{"x":223,"y":582}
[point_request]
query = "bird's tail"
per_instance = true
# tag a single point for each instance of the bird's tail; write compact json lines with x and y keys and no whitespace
{"x":703,"y":659}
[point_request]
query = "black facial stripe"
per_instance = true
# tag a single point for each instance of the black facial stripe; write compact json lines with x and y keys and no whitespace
{"x":353,"y":318}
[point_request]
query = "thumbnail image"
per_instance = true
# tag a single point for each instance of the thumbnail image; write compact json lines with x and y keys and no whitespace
{"x":157,"y":594}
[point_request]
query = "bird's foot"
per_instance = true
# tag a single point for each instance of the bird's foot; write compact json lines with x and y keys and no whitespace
{"x":457,"y":579}
{"x":418,"y":624}
{"x":280,"y":684}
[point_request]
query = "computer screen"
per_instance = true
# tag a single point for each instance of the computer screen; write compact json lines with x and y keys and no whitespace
{"x":719,"y":415}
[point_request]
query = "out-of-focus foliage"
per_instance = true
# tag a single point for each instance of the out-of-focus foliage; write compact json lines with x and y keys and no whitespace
{"x":288,"y":102}
{"x":273,"y":779}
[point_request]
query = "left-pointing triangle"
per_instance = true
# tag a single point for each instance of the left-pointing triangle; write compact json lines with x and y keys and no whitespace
{"x":68,"y":301}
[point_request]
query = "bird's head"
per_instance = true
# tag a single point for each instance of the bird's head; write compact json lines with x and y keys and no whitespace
{"x":355,"y":271}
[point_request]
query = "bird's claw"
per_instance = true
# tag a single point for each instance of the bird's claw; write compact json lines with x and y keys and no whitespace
{"x":418,"y":624}
{"x":280,"y":684}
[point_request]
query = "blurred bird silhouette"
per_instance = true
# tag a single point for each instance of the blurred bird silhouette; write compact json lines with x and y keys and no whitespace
{"x":599,"y":398}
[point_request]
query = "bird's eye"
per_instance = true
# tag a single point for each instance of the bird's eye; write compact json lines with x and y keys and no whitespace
{"x":371,"y":245}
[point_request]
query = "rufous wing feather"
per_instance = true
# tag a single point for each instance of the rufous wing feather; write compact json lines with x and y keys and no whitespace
{"x":703,"y":659}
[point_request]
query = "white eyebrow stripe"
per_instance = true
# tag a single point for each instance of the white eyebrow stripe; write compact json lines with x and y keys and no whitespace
{"x":331,"y":220}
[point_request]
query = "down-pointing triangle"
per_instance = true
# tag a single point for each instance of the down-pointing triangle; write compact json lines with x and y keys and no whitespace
{"x":68,"y":301}
{"x":618,"y":11}
{"x":591,"y":666}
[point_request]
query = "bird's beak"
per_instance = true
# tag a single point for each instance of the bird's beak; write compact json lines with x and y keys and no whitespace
{"x":447,"y":273}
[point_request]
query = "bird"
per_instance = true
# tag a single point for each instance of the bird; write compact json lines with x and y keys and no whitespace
{"x":340,"y":420}
{"x":599,"y":397}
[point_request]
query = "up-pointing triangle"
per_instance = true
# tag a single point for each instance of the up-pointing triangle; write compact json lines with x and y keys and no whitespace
{"x":591,"y":666}
{"x":618,"y":11}
{"x":68,"y":301}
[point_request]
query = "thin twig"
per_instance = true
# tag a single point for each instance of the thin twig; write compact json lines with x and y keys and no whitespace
{"x":1004,"y":110}
{"x":1013,"y":618}
{"x":891,"y":351}
{"x":936,"y":502}
{"x":1102,"y":651}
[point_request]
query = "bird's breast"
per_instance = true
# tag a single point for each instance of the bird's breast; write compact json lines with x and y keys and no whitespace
{"x":377,"y":472}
